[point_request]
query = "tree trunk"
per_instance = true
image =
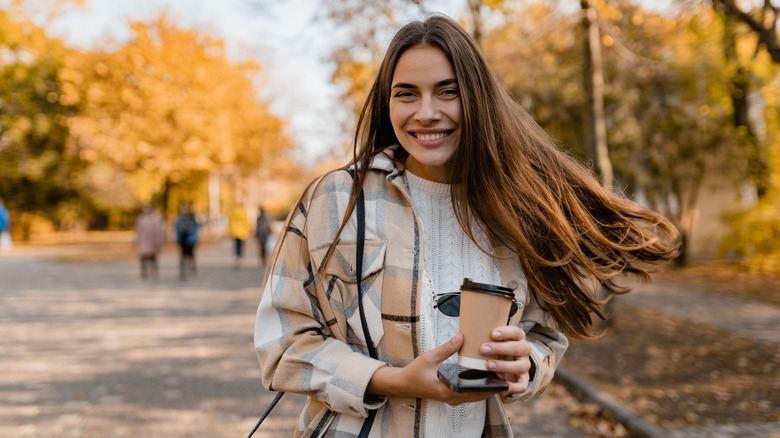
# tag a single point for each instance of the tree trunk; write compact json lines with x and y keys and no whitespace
{"x":594,"y":86}
{"x":758,"y":160}
{"x":476,"y":20}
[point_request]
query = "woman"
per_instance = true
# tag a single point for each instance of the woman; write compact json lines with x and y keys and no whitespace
{"x":458,"y":181}
{"x":149,"y":239}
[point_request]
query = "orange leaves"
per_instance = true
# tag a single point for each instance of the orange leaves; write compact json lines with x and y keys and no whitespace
{"x":169,"y":102}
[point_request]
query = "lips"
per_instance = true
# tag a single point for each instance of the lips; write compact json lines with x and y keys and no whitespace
{"x":431,"y":136}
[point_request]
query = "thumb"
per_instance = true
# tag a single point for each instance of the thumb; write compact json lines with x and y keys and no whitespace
{"x":449,"y":348}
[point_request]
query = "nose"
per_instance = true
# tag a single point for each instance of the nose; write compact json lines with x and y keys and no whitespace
{"x":428,"y":111}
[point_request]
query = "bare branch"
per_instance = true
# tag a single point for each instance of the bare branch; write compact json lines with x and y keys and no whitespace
{"x":767,"y":33}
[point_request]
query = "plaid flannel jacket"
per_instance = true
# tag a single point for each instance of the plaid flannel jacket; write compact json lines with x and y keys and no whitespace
{"x":308,"y":333}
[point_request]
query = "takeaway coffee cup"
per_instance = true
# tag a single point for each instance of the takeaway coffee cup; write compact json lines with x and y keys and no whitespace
{"x":483,"y":307}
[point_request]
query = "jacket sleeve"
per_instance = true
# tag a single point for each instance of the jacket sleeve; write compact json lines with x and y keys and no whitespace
{"x":547,"y":347}
{"x":296,"y":345}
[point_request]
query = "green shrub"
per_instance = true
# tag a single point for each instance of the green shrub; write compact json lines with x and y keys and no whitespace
{"x":755,"y":236}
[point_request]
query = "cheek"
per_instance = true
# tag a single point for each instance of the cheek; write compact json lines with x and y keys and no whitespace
{"x":399,"y":134}
{"x":396,"y":119}
{"x":395,"y":124}
{"x":456,"y":113}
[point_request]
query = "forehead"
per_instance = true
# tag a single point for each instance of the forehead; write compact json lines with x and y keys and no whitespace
{"x":421,"y":64}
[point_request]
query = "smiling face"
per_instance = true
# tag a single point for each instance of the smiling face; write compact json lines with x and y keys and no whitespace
{"x":425,"y":111}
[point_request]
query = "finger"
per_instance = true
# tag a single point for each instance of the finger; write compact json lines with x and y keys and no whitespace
{"x":510,"y":332}
{"x":512,"y":349}
{"x":518,"y":384}
{"x":520,"y":366}
{"x":447,"y":349}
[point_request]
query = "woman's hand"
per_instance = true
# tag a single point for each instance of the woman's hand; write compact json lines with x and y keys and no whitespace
{"x":419,"y":379}
{"x":512,"y":357}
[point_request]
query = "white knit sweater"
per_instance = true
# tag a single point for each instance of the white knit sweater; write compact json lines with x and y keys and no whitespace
{"x":450,"y":256}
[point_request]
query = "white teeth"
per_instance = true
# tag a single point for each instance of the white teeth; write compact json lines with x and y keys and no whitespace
{"x":431,"y":137}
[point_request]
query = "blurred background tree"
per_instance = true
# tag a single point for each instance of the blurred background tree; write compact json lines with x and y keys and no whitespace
{"x":37,"y":168}
{"x":665,"y":111}
{"x":752,"y":50}
{"x":87,"y":137}
{"x":162,"y":113}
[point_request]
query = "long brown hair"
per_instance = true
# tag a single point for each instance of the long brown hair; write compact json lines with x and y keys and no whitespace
{"x":572,"y":236}
{"x":528,"y":195}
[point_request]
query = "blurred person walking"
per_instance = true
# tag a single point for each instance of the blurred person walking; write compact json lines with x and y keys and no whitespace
{"x":149,"y":240}
{"x":186,"y":232}
{"x":5,"y":226}
{"x":262,"y":231}
{"x":238,"y":227}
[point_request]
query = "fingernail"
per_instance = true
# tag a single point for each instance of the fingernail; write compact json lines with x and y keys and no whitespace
{"x":491,"y":365}
{"x":496,"y":334}
{"x":486,"y":349}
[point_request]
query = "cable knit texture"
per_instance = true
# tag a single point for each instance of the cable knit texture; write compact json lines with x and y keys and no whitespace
{"x":450,"y":256}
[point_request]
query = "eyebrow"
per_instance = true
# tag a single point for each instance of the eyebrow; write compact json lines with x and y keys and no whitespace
{"x":443,"y":83}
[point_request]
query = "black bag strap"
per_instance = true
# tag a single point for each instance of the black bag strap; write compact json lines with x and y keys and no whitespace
{"x":361,"y":237}
{"x":267,"y":411}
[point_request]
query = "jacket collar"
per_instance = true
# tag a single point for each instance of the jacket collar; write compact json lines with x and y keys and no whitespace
{"x":385,"y":160}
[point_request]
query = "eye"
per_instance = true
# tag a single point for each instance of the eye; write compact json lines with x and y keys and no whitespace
{"x":450,"y":92}
{"x":403,"y":94}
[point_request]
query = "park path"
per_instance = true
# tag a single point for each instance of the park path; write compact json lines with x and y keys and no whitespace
{"x":739,"y":315}
{"x":751,"y":318}
{"x":91,"y":350}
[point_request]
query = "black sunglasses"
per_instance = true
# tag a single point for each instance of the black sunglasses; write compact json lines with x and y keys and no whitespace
{"x":448,"y":303}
